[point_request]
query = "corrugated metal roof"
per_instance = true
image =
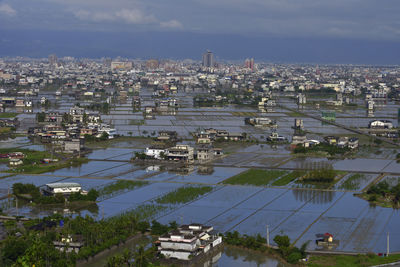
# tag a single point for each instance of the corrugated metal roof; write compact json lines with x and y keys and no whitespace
{"x":58,"y":185}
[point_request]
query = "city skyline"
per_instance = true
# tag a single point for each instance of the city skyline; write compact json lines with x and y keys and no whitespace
{"x":40,"y":44}
{"x":345,"y":32}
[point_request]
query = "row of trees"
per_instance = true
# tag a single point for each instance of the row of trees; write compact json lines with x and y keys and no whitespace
{"x":324,"y":147}
{"x":385,"y":190}
{"x":320,"y":176}
{"x":36,"y":247}
{"x":289,"y":252}
{"x":32,"y":192}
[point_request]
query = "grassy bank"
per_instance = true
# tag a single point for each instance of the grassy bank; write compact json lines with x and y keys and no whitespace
{"x":118,"y":186}
{"x":345,"y":260}
{"x":136,"y":122}
{"x":5,"y":130}
{"x":290,"y":177}
{"x":254,"y":177}
{"x":183,"y":195}
{"x":42,"y":168}
{"x":7,"y":115}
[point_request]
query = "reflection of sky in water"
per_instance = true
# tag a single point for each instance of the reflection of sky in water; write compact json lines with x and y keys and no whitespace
{"x":86,"y":168}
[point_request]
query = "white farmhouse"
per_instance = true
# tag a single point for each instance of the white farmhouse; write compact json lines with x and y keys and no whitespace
{"x":188,"y":241}
{"x":62,"y":188}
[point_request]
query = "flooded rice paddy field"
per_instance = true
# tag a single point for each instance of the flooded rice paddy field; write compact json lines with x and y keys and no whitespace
{"x":299,"y":213}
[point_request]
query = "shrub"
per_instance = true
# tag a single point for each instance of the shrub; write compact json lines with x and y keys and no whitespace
{"x":294,"y":257}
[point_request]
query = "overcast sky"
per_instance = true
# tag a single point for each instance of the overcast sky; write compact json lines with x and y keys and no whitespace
{"x":371,"y":20}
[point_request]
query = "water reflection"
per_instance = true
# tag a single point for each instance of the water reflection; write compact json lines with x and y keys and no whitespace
{"x":205,"y":170}
{"x":233,"y":256}
{"x":314,"y":196}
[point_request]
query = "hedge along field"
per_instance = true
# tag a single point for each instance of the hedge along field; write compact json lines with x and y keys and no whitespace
{"x":183,"y":195}
{"x":290,"y":177}
{"x":255,"y":177}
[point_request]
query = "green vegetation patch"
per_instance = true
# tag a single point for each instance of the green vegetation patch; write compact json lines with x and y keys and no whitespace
{"x":136,"y":122}
{"x":42,"y":168}
{"x":6,"y":115}
{"x":184,"y":194}
{"x":383,"y":194}
{"x":353,"y":182}
{"x":5,"y":130}
{"x":345,"y":260}
{"x":32,"y":193}
{"x":322,"y":147}
{"x":284,"y":180}
{"x":120,"y":185}
{"x":255,"y":177}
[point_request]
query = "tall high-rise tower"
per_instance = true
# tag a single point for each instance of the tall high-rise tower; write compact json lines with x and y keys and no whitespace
{"x":251,"y":64}
{"x":208,"y":59}
{"x":52,"y":59}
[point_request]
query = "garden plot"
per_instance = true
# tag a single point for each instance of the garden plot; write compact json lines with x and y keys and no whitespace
{"x":288,"y":180}
{"x":257,"y":177}
{"x":355,"y":181}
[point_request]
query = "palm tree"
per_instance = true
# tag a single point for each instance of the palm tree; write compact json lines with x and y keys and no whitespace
{"x":140,"y":257}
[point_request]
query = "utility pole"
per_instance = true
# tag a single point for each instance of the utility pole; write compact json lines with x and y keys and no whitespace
{"x":16,"y":205}
{"x":267,"y":236}
{"x":387,"y":245}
